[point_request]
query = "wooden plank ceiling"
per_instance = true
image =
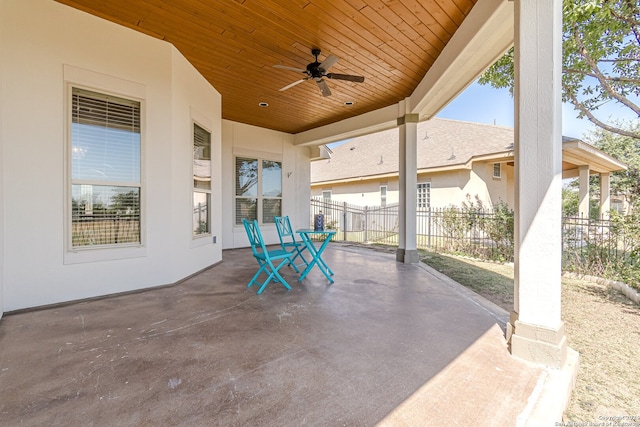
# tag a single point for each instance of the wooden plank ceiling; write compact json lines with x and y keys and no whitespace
{"x":235,"y":44}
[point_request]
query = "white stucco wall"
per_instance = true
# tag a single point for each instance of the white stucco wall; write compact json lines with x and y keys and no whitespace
{"x":2,"y":161}
{"x":361,"y":193}
{"x":448,"y":188}
{"x":193,"y":101}
{"x":491,"y":190}
{"x":251,"y":141}
{"x":44,"y":46}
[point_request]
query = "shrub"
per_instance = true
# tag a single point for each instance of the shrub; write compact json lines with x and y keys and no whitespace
{"x":608,"y":249}
{"x":499,"y":228}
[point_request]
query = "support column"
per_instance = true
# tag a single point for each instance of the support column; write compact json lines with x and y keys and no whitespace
{"x":407,"y":248}
{"x":605,"y":195}
{"x":583,"y":193}
{"x":535,"y":331}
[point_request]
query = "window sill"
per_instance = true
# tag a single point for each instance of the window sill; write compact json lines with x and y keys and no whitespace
{"x":104,"y":254}
{"x":201,"y":240}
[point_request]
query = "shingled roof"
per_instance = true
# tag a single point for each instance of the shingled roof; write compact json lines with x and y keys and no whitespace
{"x":441,"y":143}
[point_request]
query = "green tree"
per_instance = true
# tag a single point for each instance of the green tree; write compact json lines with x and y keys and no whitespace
{"x":626,"y":149}
{"x":601,"y":59}
{"x":570,"y":202}
{"x":126,"y":202}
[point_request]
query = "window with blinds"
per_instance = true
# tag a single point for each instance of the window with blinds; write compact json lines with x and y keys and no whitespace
{"x":201,"y":181}
{"x":258,"y":190}
{"x":105,"y":170}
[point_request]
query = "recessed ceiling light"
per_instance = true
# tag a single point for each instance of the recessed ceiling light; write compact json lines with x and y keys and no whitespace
{"x":348,"y":103}
{"x":263,"y":104}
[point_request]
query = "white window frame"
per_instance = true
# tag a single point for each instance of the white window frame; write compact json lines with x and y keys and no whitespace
{"x":617,"y":205}
{"x":383,"y":195}
{"x":326,"y":201}
{"x":122,"y":88}
{"x":260,"y":198}
{"x":198,"y":190}
{"x":497,"y":167}
{"x":426,"y":204}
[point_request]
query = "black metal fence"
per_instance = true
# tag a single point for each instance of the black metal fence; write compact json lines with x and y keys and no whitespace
{"x":606,"y":247}
{"x":447,"y":230}
{"x":603,"y":247}
{"x":104,"y":229}
{"x":358,"y":224}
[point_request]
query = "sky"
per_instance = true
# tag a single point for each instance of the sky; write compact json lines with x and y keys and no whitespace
{"x":484,"y":104}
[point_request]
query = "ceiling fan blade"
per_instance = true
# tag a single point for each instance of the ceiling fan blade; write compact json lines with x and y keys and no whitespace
{"x":328,"y":62}
{"x":284,"y":67}
{"x":293,"y":84}
{"x":348,"y":77}
{"x":323,"y":87}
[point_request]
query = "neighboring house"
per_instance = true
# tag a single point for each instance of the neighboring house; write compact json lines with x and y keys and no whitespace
{"x":455,"y":160}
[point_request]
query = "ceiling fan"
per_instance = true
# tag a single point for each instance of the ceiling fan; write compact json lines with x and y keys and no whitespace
{"x":317,"y":71}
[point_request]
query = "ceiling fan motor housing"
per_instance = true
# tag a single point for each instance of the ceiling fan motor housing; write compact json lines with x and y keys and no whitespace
{"x":314,"y":70}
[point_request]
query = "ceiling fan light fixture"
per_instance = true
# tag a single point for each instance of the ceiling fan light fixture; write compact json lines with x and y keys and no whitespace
{"x":263,"y":104}
{"x":317,"y":71}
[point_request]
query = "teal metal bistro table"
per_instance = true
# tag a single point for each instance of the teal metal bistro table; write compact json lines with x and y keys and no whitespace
{"x":316,"y":253}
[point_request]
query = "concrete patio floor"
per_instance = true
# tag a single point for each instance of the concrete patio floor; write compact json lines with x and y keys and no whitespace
{"x":387,"y":344}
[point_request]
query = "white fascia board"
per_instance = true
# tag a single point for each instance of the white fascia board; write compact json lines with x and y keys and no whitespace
{"x":501,"y":156}
{"x":579,"y":152}
{"x":484,"y":36}
{"x":374,"y":121}
{"x":320,"y":152}
{"x":354,"y":179}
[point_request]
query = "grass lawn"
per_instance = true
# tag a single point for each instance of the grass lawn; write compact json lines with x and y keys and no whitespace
{"x":601,"y":324}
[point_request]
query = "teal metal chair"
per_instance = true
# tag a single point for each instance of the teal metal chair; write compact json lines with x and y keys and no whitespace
{"x":269,"y":261}
{"x":289,"y":243}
